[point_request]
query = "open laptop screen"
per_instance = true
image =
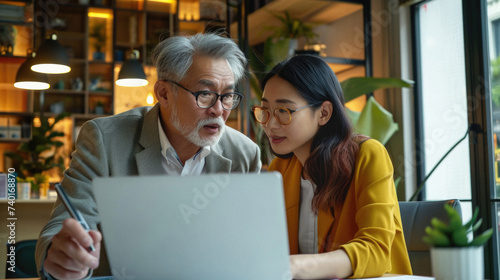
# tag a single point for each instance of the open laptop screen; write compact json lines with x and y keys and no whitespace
{"x":212,"y":226}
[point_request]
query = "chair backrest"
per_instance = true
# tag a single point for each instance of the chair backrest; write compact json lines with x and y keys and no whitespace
{"x":416,"y":216}
{"x":25,"y":260}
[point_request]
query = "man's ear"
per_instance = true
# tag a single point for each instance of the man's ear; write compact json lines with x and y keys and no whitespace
{"x":325,"y":112}
{"x":161,"y":93}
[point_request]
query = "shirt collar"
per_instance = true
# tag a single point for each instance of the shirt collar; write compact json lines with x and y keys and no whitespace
{"x":168,"y":152}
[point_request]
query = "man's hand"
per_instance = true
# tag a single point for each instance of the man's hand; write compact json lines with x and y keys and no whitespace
{"x":68,"y":256}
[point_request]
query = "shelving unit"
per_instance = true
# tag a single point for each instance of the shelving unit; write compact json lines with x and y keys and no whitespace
{"x":343,"y":26}
{"x":346,"y":50}
{"x":16,"y":23}
{"x":15,"y":127}
{"x":86,"y":28}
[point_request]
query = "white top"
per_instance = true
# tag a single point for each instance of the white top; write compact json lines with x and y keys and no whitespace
{"x":171,"y":162}
{"x":308,"y":219}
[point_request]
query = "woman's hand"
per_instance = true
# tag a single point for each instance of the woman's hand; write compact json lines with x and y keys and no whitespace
{"x":335,"y":264}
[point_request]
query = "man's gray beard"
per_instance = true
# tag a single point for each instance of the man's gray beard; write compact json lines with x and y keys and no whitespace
{"x":193,"y":136}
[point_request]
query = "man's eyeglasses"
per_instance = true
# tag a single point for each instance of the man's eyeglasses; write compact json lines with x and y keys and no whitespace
{"x":206,"y":98}
{"x":281,"y":114}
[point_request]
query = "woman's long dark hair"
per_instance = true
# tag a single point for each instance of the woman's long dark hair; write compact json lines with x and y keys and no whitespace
{"x":333,"y":151}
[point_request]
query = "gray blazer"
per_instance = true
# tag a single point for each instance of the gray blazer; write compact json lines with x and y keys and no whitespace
{"x":129,"y":144}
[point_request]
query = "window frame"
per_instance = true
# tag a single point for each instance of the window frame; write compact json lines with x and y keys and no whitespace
{"x":480,"y":112}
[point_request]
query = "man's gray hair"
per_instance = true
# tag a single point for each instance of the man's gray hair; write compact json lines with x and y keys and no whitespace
{"x":173,"y":56}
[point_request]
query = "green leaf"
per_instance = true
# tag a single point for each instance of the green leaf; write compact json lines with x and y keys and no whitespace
{"x":13,"y":156}
{"x":397,"y":182}
{"x":55,"y":134}
{"x":353,"y":116}
{"x":455,"y":222}
{"x":436,"y":238}
{"x":376,"y":122}
{"x":477,"y":225}
{"x":358,"y":86}
{"x":58,"y":118}
{"x":483,"y":238}
{"x":459,"y":237}
{"x":274,"y":52}
{"x":440,"y":225}
{"x":473,"y":219}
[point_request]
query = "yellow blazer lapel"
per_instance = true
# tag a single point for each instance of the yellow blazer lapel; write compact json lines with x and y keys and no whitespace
{"x":325,"y":223}
{"x":291,"y":170}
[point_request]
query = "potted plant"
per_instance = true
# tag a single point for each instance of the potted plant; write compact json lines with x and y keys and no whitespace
{"x":99,"y":40}
{"x":39,"y":154}
{"x":42,"y":181}
{"x":8,"y":34}
{"x":99,"y":107}
{"x":292,"y":29}
{"x":23,"y":188}
{"x":453,"y":254}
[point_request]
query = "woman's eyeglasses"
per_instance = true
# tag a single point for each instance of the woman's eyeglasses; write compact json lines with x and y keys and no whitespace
{"x":281,"y":114}
{"x":206,"y":98}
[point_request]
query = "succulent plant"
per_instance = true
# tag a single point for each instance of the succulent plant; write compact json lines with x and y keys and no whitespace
{"x":292,"y":28}
{"x":454,"y":234}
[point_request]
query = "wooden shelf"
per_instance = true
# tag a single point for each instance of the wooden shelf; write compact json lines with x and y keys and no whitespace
{"x":65,"y":91}
{"x":15,"y":22}
{"x":16,"y":114}
{"x":71,"y":35}
{"x":14,"y":140}
{"x":12,"y":59}
{"x":313,"y":11}
{"x":100,"y":92}
{"x":100,"y":62}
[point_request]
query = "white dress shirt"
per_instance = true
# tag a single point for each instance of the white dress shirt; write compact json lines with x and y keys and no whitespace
{"x":171,"y":162}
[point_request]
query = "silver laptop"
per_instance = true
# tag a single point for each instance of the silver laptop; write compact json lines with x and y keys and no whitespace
{"x":218,"y":226}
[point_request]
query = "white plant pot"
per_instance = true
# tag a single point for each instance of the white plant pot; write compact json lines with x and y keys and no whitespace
{"x":293,"y":44}
{"x":457,"y":263}
{"x":24,"y":190}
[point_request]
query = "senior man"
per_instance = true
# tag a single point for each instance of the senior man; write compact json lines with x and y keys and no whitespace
{"x":184,"y":133}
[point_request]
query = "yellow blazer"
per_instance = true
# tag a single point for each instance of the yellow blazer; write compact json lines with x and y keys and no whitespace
{"x":367,"y":226}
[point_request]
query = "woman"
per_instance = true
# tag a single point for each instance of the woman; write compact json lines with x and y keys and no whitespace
{"x":342,"y":209}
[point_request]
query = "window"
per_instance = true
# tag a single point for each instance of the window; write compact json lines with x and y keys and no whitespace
{"x":442,"y":101}
{"x":457,"y":73}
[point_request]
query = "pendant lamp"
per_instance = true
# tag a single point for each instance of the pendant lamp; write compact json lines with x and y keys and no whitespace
{"x":27,"y":78}
{"x":132,"y":74}
{"x":51,"y":57}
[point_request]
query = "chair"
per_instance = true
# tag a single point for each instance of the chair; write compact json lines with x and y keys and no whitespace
{"x":25,"y":260}
{"x":415,"y":216}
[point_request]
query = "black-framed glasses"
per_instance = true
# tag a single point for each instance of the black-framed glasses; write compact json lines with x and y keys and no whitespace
{"x":281,"y":114}
{"x":206,"y":98}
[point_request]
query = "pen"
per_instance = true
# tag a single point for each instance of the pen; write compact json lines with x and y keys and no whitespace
{"x":73,"y":211}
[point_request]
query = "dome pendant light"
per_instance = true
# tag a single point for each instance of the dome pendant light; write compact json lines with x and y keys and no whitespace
{"x":51,"y":57}
{"x":27,"y":79}
{"x":132,"y":74}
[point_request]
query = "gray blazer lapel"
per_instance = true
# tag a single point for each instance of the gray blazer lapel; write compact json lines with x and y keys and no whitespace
{"x":215,"y":163}
{"x":149,"y":159}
